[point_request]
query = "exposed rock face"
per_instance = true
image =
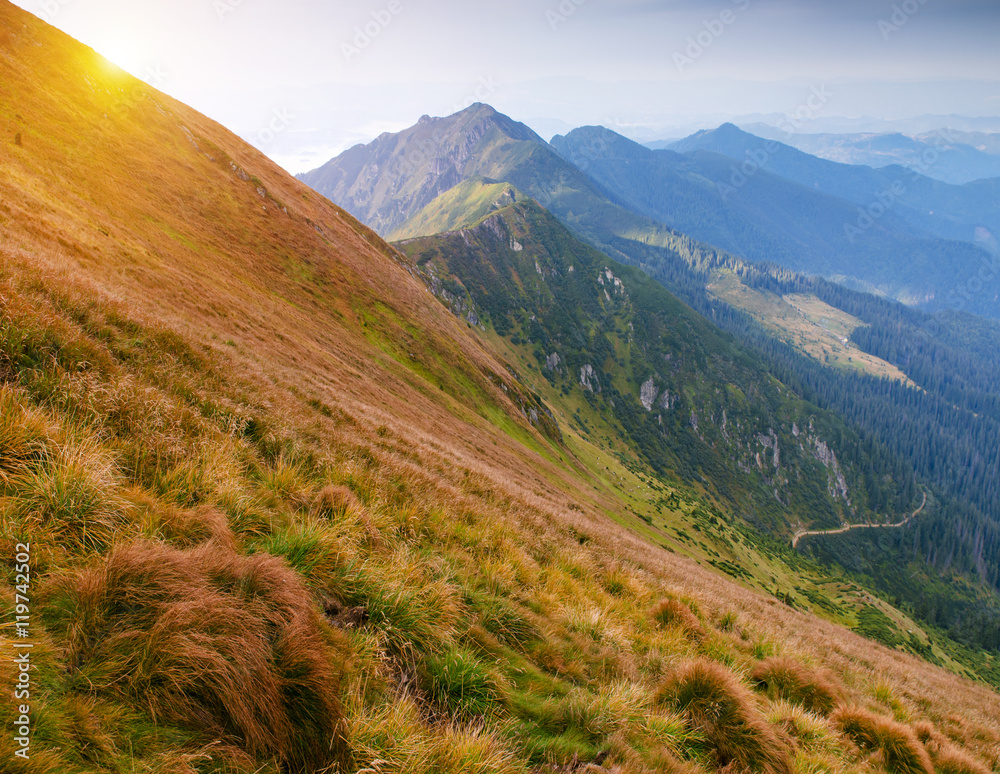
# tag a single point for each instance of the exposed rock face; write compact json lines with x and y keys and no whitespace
{"x":648,"y":394}
{"x":552,"y":361}
{"x":588,"y":379}
{"x":609,"y":280}
{"x":826,"y":455}
{"x":769,"y":441}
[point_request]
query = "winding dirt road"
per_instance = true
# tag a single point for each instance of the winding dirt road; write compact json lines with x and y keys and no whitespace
{"x":903,"y":523}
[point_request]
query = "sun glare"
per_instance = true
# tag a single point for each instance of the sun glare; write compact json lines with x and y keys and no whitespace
{"x":122,"y":53}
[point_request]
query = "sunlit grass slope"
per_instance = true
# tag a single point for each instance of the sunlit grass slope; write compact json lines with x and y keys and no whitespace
{"x":287,"y":515}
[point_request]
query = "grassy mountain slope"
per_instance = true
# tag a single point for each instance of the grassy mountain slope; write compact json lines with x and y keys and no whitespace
{"x":468,"y":202}
{"x":915,"y":428}
{"x":286,"y":514}
{"x":688,"y":399}
{"x":510,"y":273}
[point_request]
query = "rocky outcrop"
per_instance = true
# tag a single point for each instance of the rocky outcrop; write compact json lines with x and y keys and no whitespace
{"x":826,"y":455}
{"x":648,"y":393}
{"x":589,"y":380}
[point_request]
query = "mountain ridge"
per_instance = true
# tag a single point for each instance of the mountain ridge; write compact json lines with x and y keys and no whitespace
{"x":851,"y":224}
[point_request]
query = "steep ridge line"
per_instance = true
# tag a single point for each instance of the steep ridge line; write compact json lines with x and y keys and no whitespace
{"x":903,"y":523}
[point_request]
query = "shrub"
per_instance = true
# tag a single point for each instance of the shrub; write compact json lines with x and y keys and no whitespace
{"x":673,"y":612}
{"x":785,"y":678}
{"x":723,"y":710}
{"x":226,"y":645}
{"x":894,"y":744}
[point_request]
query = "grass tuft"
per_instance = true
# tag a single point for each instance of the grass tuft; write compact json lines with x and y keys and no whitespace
{"x":73,"y":501}
{"x":673,"y":612}
{"x":947,"y":758}
{"x":335,"y":502}
{"x":895,"y":746}
{"x":723,"y":710}
{"x":225,"y":645}
{"x":784,"y":678}
{"x":462,"y":685}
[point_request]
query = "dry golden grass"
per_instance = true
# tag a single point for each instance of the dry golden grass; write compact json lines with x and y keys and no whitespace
{"x":892,"y":745}
{"x":227,"y":645}
{"x":673,"y":612}
{"x":230,"y":384}
{"x":786,"y":678}
{"x":724,"y":711}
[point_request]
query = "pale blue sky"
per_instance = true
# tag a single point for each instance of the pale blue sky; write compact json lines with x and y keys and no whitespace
{"x":641,"y":66}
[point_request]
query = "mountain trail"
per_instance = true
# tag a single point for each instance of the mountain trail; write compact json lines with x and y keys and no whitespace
{"x":903,"y":523}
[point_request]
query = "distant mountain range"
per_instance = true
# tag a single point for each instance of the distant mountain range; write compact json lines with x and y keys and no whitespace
{"x":949,"y":155}
{"x":889,"y":230}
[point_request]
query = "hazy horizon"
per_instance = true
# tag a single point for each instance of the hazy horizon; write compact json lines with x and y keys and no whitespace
{"x":303,"y":81}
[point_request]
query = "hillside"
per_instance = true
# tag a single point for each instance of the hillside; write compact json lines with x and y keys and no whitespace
{"x":685,"y":397}
{"x":284,"y":512}
{"x":510,"y":272}
{"x":917,"y":428}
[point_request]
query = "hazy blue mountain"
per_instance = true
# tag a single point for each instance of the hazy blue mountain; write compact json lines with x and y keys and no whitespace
{"x":930,"y":206}
{"x":947,"y":155}
{"x":811,"y":223}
